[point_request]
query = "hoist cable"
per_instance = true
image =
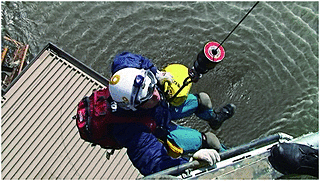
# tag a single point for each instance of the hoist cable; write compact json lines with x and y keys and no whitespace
{"x":215,"y":51}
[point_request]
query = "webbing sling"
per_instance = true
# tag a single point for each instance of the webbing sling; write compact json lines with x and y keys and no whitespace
{"x":88,"y":118}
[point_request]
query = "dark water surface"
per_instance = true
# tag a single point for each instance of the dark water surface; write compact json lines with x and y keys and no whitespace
{"x":270,"y":71}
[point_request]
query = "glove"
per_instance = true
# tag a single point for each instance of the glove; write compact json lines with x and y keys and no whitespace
{"x":209,"y":155}
{"x":164,"y":77}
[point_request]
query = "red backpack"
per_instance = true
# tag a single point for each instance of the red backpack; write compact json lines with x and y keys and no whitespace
{"x":94,"y":120}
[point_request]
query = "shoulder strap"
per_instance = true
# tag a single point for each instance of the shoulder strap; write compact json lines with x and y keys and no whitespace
{"x":88,"y":117}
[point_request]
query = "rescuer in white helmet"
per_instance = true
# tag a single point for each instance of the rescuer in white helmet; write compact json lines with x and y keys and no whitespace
{"x":131,"y":87}
{"x":134,"y":89}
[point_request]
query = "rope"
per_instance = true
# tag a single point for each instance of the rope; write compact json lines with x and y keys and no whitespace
{"x":215,"y":51}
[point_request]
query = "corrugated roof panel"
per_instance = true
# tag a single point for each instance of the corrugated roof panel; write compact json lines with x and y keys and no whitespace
{"x":39,"y":138}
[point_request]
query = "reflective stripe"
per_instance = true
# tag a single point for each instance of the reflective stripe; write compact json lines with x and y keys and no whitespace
{"x":174,"y":150}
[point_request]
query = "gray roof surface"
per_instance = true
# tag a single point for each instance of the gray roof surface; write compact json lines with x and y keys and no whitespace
{"x":39,"y":140}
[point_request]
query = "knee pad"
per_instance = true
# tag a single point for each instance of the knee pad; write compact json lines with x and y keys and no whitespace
{"x":204,"y":102}
{"x":210,"y":140}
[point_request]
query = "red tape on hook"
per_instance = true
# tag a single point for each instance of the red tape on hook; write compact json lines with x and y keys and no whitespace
{"x":208,"y":51}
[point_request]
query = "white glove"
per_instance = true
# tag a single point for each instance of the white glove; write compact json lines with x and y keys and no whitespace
{"x":209,"y":155}
{"x":285,"y":136}
{"x":164,"y":77}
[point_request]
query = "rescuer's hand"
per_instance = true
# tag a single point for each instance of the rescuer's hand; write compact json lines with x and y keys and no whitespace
{"x":209,"y":155}
{"x":164,"y":77}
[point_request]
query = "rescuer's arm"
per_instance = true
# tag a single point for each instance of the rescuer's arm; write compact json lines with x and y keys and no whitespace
{"x":130,"y":60}
{"x":147,"y":154}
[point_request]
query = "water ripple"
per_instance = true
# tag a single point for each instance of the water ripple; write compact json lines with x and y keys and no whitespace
{"x":270,"y":70}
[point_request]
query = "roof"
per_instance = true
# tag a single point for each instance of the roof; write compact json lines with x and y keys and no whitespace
{"x":39,"y":140}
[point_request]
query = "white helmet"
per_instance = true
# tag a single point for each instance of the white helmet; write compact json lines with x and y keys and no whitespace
{"x":130,"y":87}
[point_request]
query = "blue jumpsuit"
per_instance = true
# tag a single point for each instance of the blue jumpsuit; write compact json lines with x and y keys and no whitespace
{"x":147,"y":154}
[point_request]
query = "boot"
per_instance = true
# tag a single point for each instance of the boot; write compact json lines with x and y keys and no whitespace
{"x":206,"y":112}
{"x":218,"y":118}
